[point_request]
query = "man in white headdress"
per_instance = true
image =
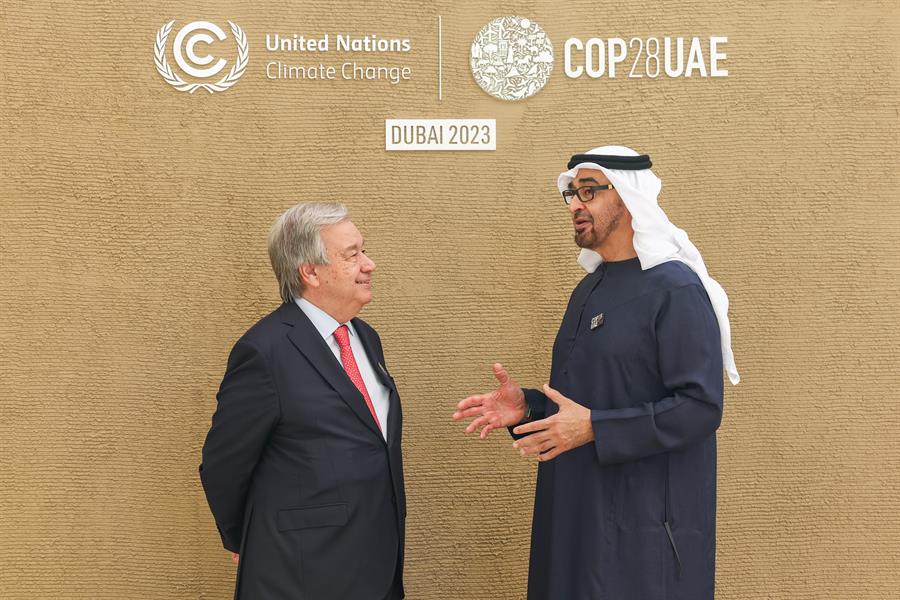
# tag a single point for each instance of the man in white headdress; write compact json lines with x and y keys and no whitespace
{"x":624,"y":433}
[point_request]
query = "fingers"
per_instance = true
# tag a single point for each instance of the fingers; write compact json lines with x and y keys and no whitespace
{"x":477,"y":424}
{"x":464,"y":408}
{"x":554,"y":395}
{"x":476,"y":400}
{"x":533,"y":426}
{"x":475,"y":411}
{"x":501,"y":374}
{"x":535,"y":443}
{"x":492,"y":419}
{"x":550,"y":454}
{"x":494,"y":424}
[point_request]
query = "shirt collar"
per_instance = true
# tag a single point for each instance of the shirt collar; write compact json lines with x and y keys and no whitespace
{"x":324,"y":323}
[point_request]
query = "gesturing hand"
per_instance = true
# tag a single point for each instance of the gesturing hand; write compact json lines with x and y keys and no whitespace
{"x":569,"y":428}
{"x":503,"y":407}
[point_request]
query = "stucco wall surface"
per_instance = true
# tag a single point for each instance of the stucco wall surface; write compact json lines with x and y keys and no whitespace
{"x":132,"y":255}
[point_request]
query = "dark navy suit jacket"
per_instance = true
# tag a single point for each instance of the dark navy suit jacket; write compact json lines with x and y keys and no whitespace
{"x":296,"y":472}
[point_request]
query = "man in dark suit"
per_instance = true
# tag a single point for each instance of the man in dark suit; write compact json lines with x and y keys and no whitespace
{"x":302,"y":466}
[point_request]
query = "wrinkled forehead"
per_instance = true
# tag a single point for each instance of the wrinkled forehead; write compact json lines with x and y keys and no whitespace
{"x":341,"y":236}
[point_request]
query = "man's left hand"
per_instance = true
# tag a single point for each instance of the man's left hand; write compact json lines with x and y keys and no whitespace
{"x":569,"y":428}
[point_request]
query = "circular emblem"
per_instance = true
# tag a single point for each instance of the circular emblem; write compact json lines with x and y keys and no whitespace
{"x":512,"y":58}
{"x":185,"y":44}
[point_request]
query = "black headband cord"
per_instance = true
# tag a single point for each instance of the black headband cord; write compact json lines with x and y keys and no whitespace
{"x":624,"y":163}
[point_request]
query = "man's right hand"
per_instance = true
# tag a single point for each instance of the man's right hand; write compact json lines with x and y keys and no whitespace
{"x":503,"y":407}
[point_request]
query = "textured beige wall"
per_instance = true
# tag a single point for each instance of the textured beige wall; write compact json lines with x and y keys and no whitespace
{"x":132,"y":255}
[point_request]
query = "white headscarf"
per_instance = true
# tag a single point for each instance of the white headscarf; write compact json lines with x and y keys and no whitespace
{"x":656,"y":239}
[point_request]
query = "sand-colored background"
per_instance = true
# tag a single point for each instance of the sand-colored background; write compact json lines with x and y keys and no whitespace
{"x":132,"y":255}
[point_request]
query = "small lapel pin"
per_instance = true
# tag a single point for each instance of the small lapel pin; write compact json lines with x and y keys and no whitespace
{"x":597,"y":321}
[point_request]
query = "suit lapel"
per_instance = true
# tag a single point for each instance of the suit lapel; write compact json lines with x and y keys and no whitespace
{"x":376,"y":359}
{"x":309,"y":342}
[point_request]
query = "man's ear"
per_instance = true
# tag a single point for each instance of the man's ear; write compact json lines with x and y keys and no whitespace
{"x":308,"y":275}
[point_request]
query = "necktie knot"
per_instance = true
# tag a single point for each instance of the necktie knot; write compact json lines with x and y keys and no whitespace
{"x":342,"y":335}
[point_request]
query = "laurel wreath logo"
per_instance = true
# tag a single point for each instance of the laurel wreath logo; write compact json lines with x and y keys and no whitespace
{"x":172,"y":78}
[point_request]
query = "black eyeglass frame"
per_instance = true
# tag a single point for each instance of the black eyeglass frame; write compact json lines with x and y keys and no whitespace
{"x":568,"y":195}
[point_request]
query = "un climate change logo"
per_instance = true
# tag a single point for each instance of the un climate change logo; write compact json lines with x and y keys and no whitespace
{"x":512,"y":58}
{"x":193,"y":68}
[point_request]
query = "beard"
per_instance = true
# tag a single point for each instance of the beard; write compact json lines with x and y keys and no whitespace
{"x":601,"y":226}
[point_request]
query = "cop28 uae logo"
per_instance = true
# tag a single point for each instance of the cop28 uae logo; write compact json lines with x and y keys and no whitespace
{"x":195,"y":66}
{"x":512,"y":58}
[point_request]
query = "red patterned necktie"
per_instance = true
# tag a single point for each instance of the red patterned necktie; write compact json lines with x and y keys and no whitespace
{"x":342,"y":335}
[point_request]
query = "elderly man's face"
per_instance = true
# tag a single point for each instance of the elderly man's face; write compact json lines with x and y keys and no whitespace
{"x":596,"y":219}
{"x":347,"y":278}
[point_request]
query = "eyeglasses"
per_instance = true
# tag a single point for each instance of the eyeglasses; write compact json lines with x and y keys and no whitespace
{"x":585,"y":193}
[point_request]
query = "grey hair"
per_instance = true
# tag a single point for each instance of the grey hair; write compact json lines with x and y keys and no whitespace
{"x":296,"y":238}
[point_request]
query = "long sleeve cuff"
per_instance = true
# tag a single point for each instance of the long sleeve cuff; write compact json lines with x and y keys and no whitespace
{"x":537,"y":402}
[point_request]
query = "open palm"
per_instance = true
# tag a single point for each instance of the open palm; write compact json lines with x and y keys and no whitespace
{"x":503,"y":407}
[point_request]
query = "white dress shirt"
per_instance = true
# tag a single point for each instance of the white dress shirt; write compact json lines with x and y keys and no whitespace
{"x":325,"y":324}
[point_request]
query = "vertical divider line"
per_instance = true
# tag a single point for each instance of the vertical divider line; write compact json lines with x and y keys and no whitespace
{"x":440,"y":59}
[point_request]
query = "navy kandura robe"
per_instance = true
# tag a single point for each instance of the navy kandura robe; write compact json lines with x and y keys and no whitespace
{"x":631,"y":516}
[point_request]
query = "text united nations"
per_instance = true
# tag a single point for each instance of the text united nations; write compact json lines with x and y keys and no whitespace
{"x":342,"y":43}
